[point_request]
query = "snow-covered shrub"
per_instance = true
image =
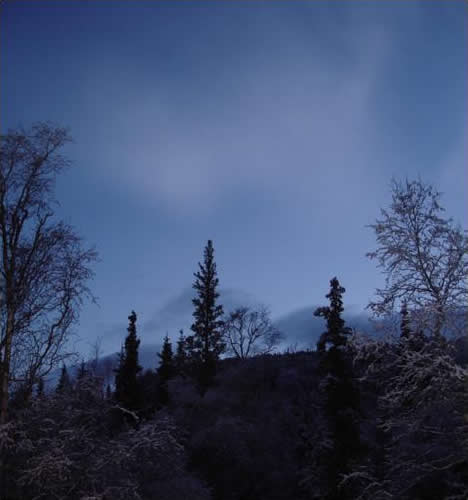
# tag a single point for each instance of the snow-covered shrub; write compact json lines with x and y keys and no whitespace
{"x":421,"y":396}
{"x":64,"y":447}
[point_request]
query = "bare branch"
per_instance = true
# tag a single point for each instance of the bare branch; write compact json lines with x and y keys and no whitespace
{"x":249,"y":331}
{"x":422,"y":255}
{"x":44,"y":269}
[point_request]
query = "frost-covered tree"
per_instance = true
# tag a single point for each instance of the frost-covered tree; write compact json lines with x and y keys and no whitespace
{"x":127,"y":391}
{"x":424,"y":404}
{"x":207,"y":340}
{"x":423,"y":255}
{"x":66,"y":447}
{"x":421,"y":394}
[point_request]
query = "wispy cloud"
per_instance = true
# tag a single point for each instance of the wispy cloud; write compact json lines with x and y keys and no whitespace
{"x":286,"y":125}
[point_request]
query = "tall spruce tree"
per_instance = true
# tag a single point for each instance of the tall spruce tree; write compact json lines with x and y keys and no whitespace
{"x":127,"y":390}
{"x":341,"y":395}
{"x":165,"y":370}
{"x":206,"y":343}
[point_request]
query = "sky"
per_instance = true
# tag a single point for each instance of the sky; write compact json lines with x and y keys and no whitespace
{"x":271,"y":127}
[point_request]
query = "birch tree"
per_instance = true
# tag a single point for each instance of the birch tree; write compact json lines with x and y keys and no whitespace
{"x":44,"y":268}
{"x":249,"y":331}
{"x":423,"y":257}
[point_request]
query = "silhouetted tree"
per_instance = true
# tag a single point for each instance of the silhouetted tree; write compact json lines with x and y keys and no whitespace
{"x":405,"y":329}
{"x":341,"y":396}
{"x":40,"y":387}
{"x":206,"y":343}
{"x":165,"y":370}
{"x":336,"y":333}
{"x":181,"y":356}
{"x":249,"y":331}
{"x":166,"y":361}
{"x":64,"y":383}
{"x":414,"y":340}
{"x":82,"y":371}
{"x":44,"y":269}
{"x":126,"y":383}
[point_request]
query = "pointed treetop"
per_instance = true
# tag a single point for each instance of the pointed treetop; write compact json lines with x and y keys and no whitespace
{"x":405,"y":330}
{"x":206,"y":344}
{"x":337,"y":332}
{"x":64,"y":383}
{"x":132,"y":318}
{"x":126,"y":384}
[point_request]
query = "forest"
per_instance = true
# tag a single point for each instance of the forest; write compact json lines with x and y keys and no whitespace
{"x":224,"y":414}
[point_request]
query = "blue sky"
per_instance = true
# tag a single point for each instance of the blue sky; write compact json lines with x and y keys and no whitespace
{"x":271,"y":127}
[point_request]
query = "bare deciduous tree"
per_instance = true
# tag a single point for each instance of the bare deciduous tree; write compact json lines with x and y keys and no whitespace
{"x":44,"y":269}
{"x":423,"y":256}
{"x":249,"y":331}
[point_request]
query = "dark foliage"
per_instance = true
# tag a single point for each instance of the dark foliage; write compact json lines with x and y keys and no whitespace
{"x":336,"y":333}
{"x":181,"y":356}
{"x":165,"y":371}
{"x":405,"y":329}
{"x":64,"y":383}
{"x":127,"y":389}
{"x":40,"y":388}
{"x":206,"y":344}
{"x":341,"y":402}
{"x":65,"y":446}
{"x":268,"y":428}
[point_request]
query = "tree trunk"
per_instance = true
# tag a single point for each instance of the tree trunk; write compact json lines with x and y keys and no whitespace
{"x":5,"y":371}
{"x":439,"y":321}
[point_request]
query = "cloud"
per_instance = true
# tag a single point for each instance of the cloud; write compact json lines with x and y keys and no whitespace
{"x":289,"y":123}
{"x":301,"y":327}
{"x":453,"y":177}
{"x":177,"y":312}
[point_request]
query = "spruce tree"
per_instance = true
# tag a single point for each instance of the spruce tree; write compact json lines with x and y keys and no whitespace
{"x":64,"y":384}
{"x":414,"y":340}
{"x":127,"y":390}
{"x":337,"y":333}
{"x":405,"y":329}
{"x":165,"y":370}
{"x":341,"y":396}
{"x":118,"y":384}
{"x":180,"y":358}
{"x":207,"y":339}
